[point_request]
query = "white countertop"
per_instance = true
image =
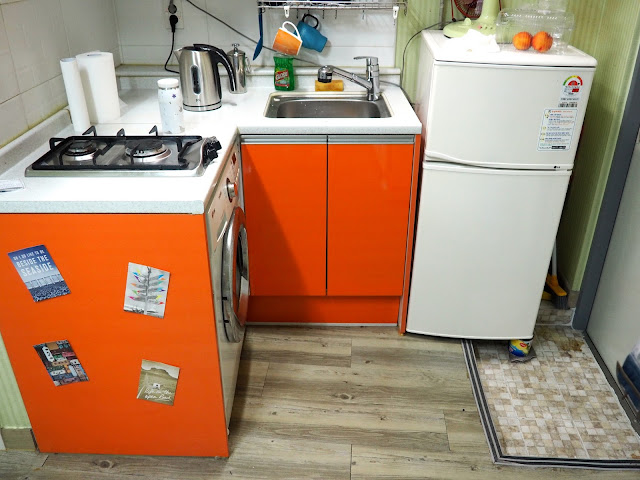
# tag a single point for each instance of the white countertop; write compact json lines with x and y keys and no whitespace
{"x":239,"y":114}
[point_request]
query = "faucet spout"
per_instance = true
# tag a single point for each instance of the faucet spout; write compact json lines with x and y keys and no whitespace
{"x":371,"y":83}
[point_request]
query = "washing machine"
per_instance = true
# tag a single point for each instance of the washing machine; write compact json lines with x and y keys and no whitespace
{"x":229,"y":263}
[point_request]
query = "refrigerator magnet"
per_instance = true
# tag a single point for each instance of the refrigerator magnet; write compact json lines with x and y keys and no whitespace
{"x":61,"y":362}
{"x":146,"y":290}
{"x":158,"y":382}
{"x":39,"y":273}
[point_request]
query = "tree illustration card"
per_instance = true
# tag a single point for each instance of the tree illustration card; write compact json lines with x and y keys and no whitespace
{"x":61,"y":362}
{"x":146,"y":290}
{"x":158,"y":382}
{"x":39,"y":273}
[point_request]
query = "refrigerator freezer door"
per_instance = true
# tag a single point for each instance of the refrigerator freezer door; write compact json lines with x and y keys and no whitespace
{"x":483,"y":244}
{"x":506,"y":116}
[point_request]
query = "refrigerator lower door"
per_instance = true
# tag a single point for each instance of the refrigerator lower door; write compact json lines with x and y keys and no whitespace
{"x":483,"y":243}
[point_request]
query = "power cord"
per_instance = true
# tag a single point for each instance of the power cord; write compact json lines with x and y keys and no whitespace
{"x":224,"y":23}
{"x":173,"y":21}
{"x":242,"y":34}
{"x":404,"y":53}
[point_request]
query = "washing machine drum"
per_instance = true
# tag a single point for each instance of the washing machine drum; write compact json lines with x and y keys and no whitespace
{"x":235,"y":277}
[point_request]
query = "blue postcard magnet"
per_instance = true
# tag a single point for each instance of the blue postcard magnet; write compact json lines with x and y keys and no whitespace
{"x":39,"y":273}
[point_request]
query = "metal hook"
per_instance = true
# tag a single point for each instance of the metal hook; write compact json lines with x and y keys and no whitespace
{"x":363,"y":14}
{"x":396,"y":9}
{"x":286,"y":11}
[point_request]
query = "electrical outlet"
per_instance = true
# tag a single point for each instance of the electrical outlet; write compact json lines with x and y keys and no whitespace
{"x":167,"y":14}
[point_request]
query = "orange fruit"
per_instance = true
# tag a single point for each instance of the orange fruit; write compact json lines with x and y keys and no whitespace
{"x":522,"y":40}
{"x":542,"y":41}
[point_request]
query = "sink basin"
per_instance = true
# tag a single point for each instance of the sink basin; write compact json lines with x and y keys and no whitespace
{"x":322,"y":105}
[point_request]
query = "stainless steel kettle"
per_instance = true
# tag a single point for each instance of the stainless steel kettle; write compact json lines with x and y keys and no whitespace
{"x":199,"y":77}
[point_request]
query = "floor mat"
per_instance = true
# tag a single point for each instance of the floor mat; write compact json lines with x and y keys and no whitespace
{"x":556,"y":410}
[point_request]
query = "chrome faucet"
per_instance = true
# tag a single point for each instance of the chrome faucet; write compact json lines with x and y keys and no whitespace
{"x":371,"y":83}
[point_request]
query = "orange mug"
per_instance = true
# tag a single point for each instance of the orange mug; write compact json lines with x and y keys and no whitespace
{"x":287,"y":42}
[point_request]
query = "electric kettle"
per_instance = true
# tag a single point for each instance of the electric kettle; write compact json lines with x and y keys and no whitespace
{"x":199,"y":76}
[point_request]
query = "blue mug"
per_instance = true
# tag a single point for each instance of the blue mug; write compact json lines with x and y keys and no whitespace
{"x":311,"y":37}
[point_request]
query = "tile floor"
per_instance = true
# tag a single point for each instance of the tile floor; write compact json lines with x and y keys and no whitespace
{"x":548,"y":314}
{"x":558,"y":404}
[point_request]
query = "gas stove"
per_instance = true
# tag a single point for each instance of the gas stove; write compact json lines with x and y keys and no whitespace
{"x":122,"y":155}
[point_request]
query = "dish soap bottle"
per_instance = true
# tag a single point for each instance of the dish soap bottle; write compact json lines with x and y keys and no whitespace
{"x":283,"y":78}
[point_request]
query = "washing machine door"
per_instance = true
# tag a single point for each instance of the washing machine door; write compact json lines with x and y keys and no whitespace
{"x":235,"y":276}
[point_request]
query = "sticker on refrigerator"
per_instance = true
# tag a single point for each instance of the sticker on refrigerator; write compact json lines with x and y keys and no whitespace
{"x":61,"y":362}
{"x":158,"y":382}
{"x":570,"y":92}
{"x":146,"y":290}
{"x":39,"y":273}
{"x":556,"y":130}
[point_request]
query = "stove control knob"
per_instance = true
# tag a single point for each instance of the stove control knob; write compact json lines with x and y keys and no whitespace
{"x":210,"y":150}
{"x":232,"y":190}
{"x":215,"y":143}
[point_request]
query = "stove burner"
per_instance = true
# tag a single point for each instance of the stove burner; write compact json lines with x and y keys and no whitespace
{"x":80,"y":152}
{"x":81,"y":147}
{"x":145,"y":148}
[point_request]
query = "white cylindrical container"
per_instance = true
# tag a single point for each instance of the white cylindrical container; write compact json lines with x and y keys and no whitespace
{"x":170,"y":102}
{"x":75,"y":94}
{"x":98,"y":75}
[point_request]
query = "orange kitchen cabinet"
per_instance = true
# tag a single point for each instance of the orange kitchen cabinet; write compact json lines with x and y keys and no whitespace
{"x":285,"y":189}
{"x":369,"y":191}
{"x":329,"y":226}
{"x":103,"y":414}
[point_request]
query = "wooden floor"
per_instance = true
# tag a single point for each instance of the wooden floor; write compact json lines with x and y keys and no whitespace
{"x":329,"y":403}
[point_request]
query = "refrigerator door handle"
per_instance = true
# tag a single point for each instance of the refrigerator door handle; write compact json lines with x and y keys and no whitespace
{"x":431,"y":155}
{"x":434,"y":164}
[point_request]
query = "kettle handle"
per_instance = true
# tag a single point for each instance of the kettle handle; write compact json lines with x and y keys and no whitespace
{"x":218,"y":56}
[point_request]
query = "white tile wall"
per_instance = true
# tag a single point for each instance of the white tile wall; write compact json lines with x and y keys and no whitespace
{"x":145,"y":39}
{"x":13,"y":120}
{"x":98,"y":30}
{"x":44,"y":98}
{"x":36,"y":39}
{"x":34,"y":36}
{"x":9,"y":83}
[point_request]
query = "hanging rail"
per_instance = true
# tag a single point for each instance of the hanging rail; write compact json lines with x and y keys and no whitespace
{"x":339,"y":5}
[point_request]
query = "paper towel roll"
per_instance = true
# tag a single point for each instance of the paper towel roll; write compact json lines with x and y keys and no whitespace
{"x":75,"y":94}
{"x":98,"y":75}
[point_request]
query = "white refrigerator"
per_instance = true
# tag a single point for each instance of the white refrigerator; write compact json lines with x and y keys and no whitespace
{"x":500,"y":133}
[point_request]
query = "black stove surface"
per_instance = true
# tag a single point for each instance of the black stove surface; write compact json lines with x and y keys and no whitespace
{"x":126,"y":155}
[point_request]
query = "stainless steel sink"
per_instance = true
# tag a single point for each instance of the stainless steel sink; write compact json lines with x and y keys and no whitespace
{"x":323,"y":105}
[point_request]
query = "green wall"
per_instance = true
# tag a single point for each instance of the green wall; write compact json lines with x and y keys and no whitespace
{"x":12,"y":411}
{"x":421,"y":14}
{"x":609,"y":31}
